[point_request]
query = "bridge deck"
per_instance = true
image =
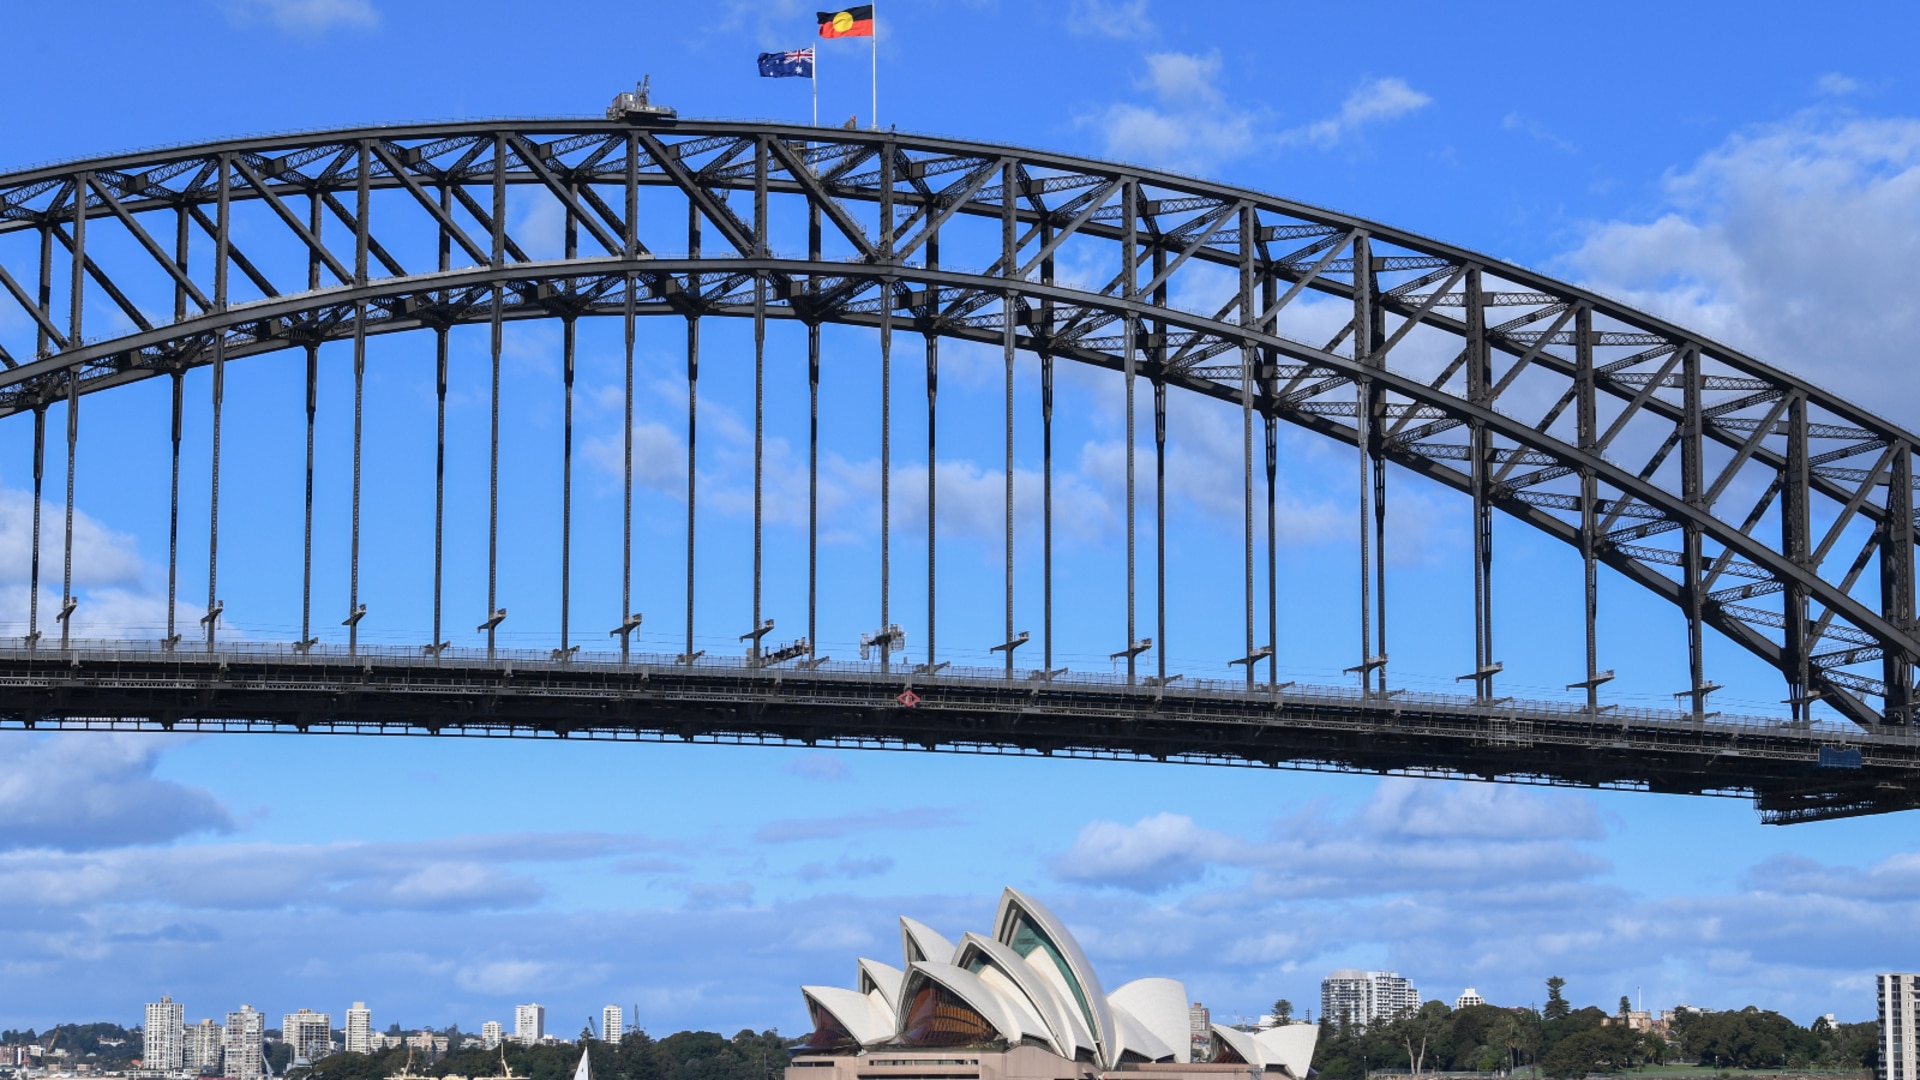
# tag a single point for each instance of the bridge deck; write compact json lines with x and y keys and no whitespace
{"x":246,"y":687}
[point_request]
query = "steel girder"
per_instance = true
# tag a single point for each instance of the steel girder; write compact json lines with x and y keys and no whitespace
{"x":1785,"y":519}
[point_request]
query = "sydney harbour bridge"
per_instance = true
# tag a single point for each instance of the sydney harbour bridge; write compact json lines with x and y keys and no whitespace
{"x":1770,"y":513}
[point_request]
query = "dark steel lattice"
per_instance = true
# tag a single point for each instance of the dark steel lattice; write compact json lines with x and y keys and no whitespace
{"x":1761,"y":506}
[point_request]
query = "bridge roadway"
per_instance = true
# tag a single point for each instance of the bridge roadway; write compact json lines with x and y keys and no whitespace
{"x":252,"y":687}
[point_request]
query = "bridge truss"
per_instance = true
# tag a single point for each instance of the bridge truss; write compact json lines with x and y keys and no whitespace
{"x":1762,"y":507}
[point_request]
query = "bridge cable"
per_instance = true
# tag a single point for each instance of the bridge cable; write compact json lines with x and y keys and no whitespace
{"x":76,"y":300}
{"x":886,"y":399}
{"x":314,"y":224}
{"x":1248,"y":220}
{"x":180,"y":245}
{"x":1009,"y":260}
{"x":445,"y":253}
{"x":813,"y":437}
{"x":761,"y":249}
{"x":626,"y":516}
{"x":73,"y":440}
{"x":693,"y":407}
{"x":1046,"y":450}
{"x":933,"y":424}
{"x":1269,"y":293}
{"x":498,"y":225}
{"x":1129,"y":270}
{"x":1361,"y":438}
{"x":39,"y":473}
{"x":361,"y":227}
{"x":223,"y":243}
{"x":1157,"y":346}
{"x":568,"y":335}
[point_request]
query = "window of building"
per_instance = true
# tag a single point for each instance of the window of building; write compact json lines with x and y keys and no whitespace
{"x":937,"y":1017}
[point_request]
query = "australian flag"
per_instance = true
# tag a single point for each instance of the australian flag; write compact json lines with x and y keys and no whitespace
{"x":787,"y":65}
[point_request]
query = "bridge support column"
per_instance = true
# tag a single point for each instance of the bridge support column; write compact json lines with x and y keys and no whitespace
{"x":1693,"y":426}
{"x":1896,"y":581}
{"x":222,"y":246}
{"x":360,"y":232}
{"x":492,"y":624}
{"x":1795,"y":528}
{"x":1044,"y":335}
{"x":693,"y":412}
{"x":1588,"y":435}
{"x":1480,"y":451}
{"x":1130,"y":291}
{"x":39,"y":476}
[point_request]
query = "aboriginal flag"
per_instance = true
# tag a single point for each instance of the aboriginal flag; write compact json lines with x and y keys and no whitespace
{"x":847,"y":22}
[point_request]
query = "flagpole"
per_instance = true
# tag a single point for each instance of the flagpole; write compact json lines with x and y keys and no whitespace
{"x":816,"y":85}
{"x":875,"y":39}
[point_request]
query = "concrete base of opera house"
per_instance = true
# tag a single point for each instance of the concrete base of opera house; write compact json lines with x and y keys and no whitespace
{"x":1018,"y":1063}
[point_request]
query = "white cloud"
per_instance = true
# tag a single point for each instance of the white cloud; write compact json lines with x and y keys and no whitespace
{"x":306,"y":16}
{"x":456,"y":874}
{"x":1190,"y":127}
{"x":1373,"y":101}
{"x":114,"y":585}
{"x":1109,"y":18}
{"x":1527,"y":125}
{"x":1411,"y":836}
{"x":1152,"y":853}
{"x":1793,"y":241}
{"x":76,"y":792}
{"x":1834,"y":84}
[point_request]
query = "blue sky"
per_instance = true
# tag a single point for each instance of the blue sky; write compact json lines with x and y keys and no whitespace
{"x":1751,"y":170}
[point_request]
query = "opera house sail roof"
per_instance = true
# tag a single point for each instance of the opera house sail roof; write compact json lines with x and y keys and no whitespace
{"x":1022,"y":1004}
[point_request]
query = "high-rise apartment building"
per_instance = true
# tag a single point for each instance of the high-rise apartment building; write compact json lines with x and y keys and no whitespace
{"x":309,"y":1033}
{"x":490,"y":1034}
{"x":1899,"y":1005}
{"x":1363,"y":997}
{"x":1199,"y":1031}
{"x":165,"y":1035}
{"x":205,"y":1048}
{"x":1468,"y":998}
{"x":529,"y":1024}
{"x":612,"y":1024}
{"x":245,"y":1045}
{"x":359,"y":1032}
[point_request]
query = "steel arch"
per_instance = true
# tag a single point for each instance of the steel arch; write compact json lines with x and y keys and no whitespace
{"x":1565,"y":415}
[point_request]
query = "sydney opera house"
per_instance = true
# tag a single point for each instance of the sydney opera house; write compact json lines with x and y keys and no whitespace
{"x":1023,"y":1004}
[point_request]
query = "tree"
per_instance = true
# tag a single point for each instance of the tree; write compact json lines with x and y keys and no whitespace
{"x":1557,"y":1007}
{"x":1626,"y":1006}
{"x":1283,"y":1011}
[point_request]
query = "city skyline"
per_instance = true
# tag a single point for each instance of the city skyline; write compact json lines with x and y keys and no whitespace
{"x":697,"y":884}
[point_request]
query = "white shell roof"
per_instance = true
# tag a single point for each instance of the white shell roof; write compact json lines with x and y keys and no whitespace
{"x":1014,"y":902}
{"x":988,"y":1002}
{"x":918,"y":941}
{"x":885,"y":978}
{"x":857,"y":1012}
{"x":1160,"y":1005}
{"x":1070,"y":1032}
{"x":1131,"y":1035}
{"x":1031,"y":998}
{"x":1288,"y":1045}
